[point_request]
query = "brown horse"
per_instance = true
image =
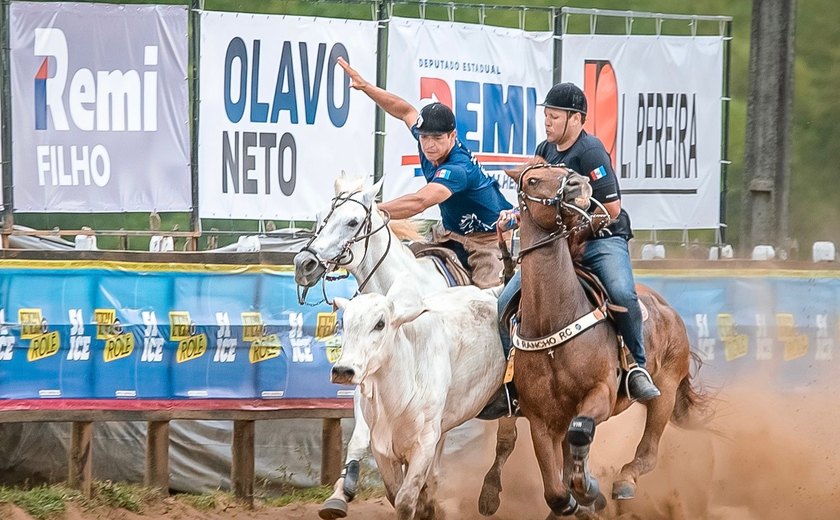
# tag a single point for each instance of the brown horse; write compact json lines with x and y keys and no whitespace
{"x":567,"y":387}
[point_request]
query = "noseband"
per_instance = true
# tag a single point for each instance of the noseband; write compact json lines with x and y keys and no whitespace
{"x":345,"y":256}
{"x":562,"y":209}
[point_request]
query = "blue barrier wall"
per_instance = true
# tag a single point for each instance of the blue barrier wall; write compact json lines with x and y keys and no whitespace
{"x":777,"y":325}
{"x":135,"y":331}
{"x":175,"y":331}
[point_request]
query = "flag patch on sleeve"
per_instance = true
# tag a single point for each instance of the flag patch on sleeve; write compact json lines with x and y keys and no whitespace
{"x":443,"y":173}
{"x":598,"y":173}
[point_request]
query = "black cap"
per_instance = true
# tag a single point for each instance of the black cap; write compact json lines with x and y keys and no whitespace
{"x":566,"y":96}
{"x":435,"y":118}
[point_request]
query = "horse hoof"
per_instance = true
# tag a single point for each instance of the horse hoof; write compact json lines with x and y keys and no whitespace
{"x":488,"y":504}
{"x":624,"y":490}
{"x":333,"y":508}
{"x":600,"y":502}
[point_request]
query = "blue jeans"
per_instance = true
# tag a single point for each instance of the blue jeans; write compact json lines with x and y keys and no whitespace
{"x":609,"y":259}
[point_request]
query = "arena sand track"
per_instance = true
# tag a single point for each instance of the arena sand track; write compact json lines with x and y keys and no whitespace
{"x":777,"y":458}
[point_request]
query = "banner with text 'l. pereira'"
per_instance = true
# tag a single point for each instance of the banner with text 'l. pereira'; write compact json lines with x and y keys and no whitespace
{"x":491,"y":77}
{"x":655,"y":102}
{"x":277,"y":120}
{"x":99,"y":107}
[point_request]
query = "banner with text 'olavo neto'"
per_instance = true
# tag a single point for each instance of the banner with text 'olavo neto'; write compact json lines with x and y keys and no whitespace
{"x":99,"y":107}
{"x":655,"y":102}
{"x":491,"y":77}
{"x":277,"y":120}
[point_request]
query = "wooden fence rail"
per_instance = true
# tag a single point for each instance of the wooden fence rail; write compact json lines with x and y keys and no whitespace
{"x":80,"y":456}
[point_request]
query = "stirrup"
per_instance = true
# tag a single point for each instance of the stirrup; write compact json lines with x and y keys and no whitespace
{"x":646,"y":374}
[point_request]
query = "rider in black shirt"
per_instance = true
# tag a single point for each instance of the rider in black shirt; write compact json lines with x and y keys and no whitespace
{"x":606,"y":254}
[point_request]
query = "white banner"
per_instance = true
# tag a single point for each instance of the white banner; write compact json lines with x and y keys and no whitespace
{"x":278,"y":122}
{"x":655,"y":102}
{"x":491,"y":77}
{"x":99,"y":107}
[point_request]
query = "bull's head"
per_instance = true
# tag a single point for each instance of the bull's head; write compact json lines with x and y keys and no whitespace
{"x":371,"y":323}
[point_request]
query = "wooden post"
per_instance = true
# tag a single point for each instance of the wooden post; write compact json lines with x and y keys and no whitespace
{"x":80,"y":464}
{"x":242,"y":467}
{"x":330,"y":451}
{"x":157,"y":456}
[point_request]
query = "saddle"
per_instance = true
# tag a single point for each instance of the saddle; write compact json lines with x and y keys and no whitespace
{"x":597,"y":294}
{"x":446,"y":261}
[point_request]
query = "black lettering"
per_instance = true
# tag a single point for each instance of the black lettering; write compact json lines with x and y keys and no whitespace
{"x":230,"y":162}
{"x":287,"y":184}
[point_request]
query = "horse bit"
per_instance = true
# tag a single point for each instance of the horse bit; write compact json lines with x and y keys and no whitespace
{"x":562,"y":231}
{"x":363,"y":232}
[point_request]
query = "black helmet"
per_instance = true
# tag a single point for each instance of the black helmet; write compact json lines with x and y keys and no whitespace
{"x":566,"y":96}
{"x":435,"y":118}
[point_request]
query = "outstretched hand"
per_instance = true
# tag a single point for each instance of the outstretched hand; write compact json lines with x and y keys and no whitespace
{"x":356,"y":80}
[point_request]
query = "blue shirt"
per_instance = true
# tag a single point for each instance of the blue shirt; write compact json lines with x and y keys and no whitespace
{"x":476,"y":199}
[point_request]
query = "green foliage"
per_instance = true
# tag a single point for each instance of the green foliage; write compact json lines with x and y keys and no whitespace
{"x":313,"y":494}
{"x":122,"y":495}
{"x":207,"y":501}
{"x":41,"y":502}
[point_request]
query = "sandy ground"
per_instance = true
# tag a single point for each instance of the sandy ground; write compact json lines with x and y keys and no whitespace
{"x":776,"y":458}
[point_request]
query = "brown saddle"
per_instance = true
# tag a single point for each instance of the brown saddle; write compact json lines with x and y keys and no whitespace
{"x":445,"y":260}
{"x":597,"y":294}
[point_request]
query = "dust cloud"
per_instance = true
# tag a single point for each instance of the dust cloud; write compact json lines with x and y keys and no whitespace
{"x":774,"y":457}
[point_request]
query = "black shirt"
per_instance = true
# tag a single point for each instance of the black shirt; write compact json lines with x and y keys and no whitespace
{"x":587,"y":156}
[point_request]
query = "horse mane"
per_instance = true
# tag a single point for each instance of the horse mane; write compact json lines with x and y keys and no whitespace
{"x":406,"y":229}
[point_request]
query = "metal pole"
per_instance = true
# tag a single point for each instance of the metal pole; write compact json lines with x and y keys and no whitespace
{"x":6,"y":125}
{"x":724,"y":152}
{"x":194,"y":21}
{"x":558,"y":20}
{"x":381,"y":81}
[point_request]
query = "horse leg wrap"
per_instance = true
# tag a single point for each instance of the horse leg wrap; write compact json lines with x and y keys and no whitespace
{"x":351,"y":479}
{"x":581,"y":432}
{"x":568,"y":508}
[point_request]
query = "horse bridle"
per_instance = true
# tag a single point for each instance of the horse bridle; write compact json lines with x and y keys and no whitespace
{"x":562,"y":231}
{"x":363,"y":232}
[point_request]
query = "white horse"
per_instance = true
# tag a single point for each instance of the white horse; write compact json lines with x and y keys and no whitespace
{"x":423,"y":366}
{"x":353,"y":235}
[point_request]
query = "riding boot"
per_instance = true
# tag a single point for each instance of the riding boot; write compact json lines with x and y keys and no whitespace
{"x":640,"y":385}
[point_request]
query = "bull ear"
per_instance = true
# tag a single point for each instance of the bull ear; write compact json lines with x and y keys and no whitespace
{"x":406,"y":301}
{"x":369,"y":195}
{"x":340,"y":302}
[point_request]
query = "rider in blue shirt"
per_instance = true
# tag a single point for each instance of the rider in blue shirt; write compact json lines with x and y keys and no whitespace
{"x":470,"y":200}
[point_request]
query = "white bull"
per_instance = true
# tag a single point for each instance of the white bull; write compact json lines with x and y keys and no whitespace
{"x":424,"y":366}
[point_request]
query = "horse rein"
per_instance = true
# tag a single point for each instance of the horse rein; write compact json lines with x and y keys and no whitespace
{"x":364,"y":232}
{"x":557,"y":201}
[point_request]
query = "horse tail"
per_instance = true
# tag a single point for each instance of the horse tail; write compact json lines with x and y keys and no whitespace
{"x":693,"y":407}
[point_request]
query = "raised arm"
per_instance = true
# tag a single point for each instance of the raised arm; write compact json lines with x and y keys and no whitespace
{"x":390,"y":103}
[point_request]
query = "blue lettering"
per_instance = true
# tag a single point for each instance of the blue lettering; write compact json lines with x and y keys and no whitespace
{"x":338,"y":114}
{"x":259,"y":111}
{"x":467,"y":120}
{"x":285,"y":99}
{"x":531,"y":145}
{"x":236,"y":50}
{"x":311,"y":92}
{"x":506,"y":118}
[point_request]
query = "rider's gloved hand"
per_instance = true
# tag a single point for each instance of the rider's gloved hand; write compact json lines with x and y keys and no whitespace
{"x":508,"y":219}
